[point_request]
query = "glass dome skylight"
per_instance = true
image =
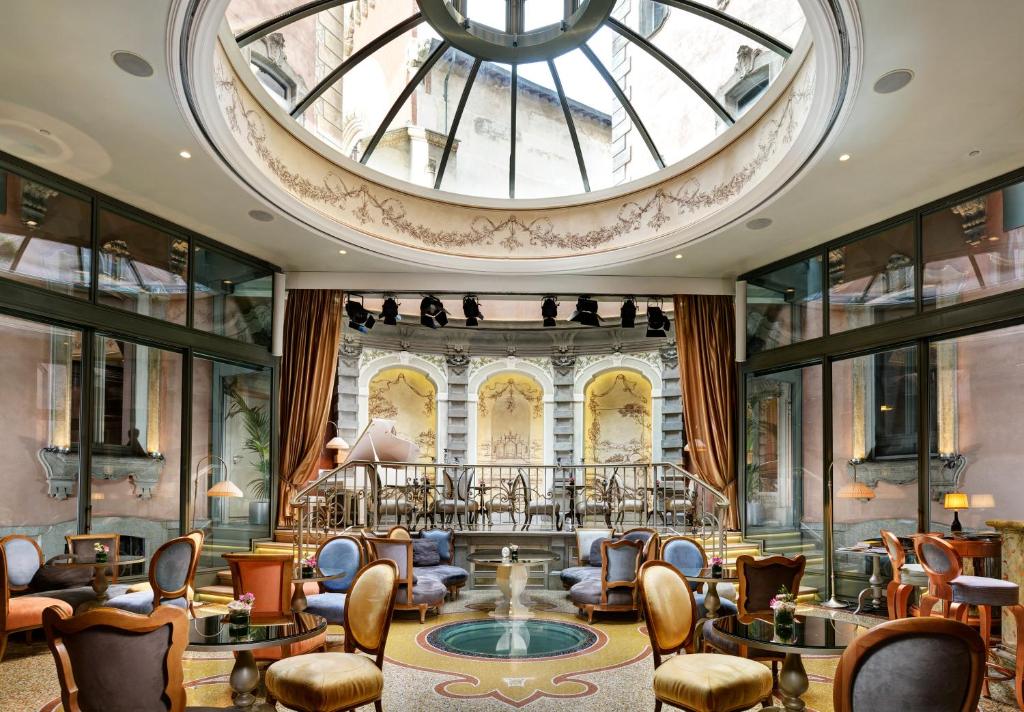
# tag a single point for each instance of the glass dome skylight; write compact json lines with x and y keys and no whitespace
{"x":516,"y":98}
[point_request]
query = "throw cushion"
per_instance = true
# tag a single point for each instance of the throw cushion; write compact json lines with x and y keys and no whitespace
{"x":595,"y":551}
{"x":53,"y":578}
{"x":425,"y":553}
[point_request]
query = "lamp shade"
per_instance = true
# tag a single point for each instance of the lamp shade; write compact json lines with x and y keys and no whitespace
{"x":337,"y":443}
{"x":224,"y":488}
{"x":856,"y":490}
{"x":956,"y":500}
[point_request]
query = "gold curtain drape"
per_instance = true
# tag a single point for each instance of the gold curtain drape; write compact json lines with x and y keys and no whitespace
{"x":312,"y":329}
{"x":705,"y":336}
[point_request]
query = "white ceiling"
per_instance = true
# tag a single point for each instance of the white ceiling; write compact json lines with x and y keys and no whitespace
{"x":122,"y":134}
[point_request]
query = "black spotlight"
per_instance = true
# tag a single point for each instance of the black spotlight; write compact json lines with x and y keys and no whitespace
{"x":358,"y":317}
{"x":389,"y":312}
{"x":657,"y":322}
{"x":432,"y":312}
{"x":628,"y":313}
{"x":586,"y":312}
{"x":471,"y":308}
{"x":549,"y":310}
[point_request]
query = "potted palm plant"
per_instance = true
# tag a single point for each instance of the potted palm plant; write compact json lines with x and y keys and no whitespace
{"x":256,"y":425}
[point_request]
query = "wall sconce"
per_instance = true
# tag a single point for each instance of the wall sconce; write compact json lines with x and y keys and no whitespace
{"x":855,"y":489}
{"x":338,"y":444}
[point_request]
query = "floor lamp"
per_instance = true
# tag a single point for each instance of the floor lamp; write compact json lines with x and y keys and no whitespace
{"x":833,"y":602}
{"x":224,"y":488}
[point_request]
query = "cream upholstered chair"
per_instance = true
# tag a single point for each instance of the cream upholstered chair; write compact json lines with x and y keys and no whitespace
{"x":331,"y":682}
{"x":702,"y":682}
{"x":932,"y":664}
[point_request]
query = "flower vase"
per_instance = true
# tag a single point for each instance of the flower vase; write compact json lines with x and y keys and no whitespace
{"x":716,"y":571}
{"x":308,"y":572}
{"x":238,"y":619}
{"x":785,"y":622}
{"x":101,"y":558}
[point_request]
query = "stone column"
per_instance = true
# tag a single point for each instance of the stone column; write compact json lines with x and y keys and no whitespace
{"x":347,"y":415}
{"x":564,"y":363}
{"x":672,"y":436}
{"x":458,"y":409}
{"x":1012,"y":562}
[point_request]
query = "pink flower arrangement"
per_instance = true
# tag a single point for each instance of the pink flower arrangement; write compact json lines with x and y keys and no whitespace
{"x":782,"y":598}
{"x":309,"y":562}
{"x":247,"y":599}
{"x":101,"y":548}
{"x":716,"y":561}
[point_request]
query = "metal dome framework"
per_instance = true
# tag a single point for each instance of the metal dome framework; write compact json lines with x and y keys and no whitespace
{"x":515,"y":45}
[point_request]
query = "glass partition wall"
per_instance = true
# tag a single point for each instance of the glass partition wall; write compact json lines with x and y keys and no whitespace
{"x":883,"y":373}
{"x":116,"y":379}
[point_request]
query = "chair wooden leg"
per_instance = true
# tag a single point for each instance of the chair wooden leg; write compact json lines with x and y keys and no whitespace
{"x":3,"y":645}
{"x":657,"y":706}
{"x":378,"y":706}
{"x":423,"y":613}
{"x":590,"y":614}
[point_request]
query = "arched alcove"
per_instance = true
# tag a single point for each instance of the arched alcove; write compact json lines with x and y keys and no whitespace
{"x":627,"y":413}
{"x":411,"y":391}
{"x":510,"y":420}
{"x":521,"y":372}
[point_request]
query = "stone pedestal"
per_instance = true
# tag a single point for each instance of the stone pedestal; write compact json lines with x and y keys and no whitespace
{"x":1012,"y":532}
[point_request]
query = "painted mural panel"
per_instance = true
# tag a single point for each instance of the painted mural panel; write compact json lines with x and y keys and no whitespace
{"x":409,"y":398}
{"x":617,"y":418}
{"x":510,"y":422}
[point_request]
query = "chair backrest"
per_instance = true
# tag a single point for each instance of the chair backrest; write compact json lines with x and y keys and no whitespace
{"x":199,"y":537}
{"x":685,"y":554}
{"x":399,"y":532}
{"x":939,"y":560}
{"x":458,"y":487}
{"x":620,"y":561}
{"x":933,"y":664}
{"x":893,"y":547}
{"x":115,"y":661}
{"x":585,"y":538}
{"x":341,"y":556}
{"x":668,"y":606}
{"x":266,"y":576}
{"x":82,"y":545}
{"x":368,"y":609}
{"x":646,"y":535}
{"x":397,"y":551}
{"x":172,"y":567}
{"x":24,"y":558}
{"x":761,"y":579}
{"x":445,"y":540}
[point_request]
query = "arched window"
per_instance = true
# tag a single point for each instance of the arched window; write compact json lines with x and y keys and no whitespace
{"x":409,"y":398}
{"x":617,"y":418}
{"x":510,"y":420}
{"x":652,"y":17}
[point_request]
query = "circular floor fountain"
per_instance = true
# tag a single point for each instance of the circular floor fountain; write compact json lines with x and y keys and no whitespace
{"x":511,"y":639}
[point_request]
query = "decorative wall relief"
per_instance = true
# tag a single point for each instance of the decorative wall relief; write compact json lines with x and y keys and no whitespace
{"x":409,"y":398}
{"x":617,"y":418}
{"x":510,"y":420}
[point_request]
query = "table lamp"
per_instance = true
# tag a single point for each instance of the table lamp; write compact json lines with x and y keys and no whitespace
{"x":956,"y":501}
{"x":338,"y":444}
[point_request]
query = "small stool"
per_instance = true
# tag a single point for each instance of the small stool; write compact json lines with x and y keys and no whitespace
{"x":325,"y":682}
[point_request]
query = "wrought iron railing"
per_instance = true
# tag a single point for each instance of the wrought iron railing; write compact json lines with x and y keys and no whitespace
{"x":475,"y":497}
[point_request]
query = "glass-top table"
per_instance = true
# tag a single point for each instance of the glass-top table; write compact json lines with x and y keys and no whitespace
{"x":216,"y":634}
{"x":817,"y":632}
{"x":511,"y":577}
{"x":99,"y":581}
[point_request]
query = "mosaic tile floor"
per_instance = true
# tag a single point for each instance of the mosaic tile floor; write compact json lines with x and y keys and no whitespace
{"x":612,"y":674}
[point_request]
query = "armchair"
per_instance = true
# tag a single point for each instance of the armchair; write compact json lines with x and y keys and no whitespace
{"x":616,"y":588}
{"x":415,"y":593}
{"x":170,"y":578}
{"x":23,"y":613}
{"x":341,"y":555}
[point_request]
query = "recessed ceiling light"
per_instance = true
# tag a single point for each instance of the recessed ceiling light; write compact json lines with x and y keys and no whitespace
{"x":132,"y":63}
{"x":184,"y":154}
{"x":261,"y":215}
{"x":342,"y":252}
{"x":893,"y":81}
{"x":679,"y":257}
{"x":845,"y":157}
{"x":759,"y":223}
{"x":975,"y":152}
